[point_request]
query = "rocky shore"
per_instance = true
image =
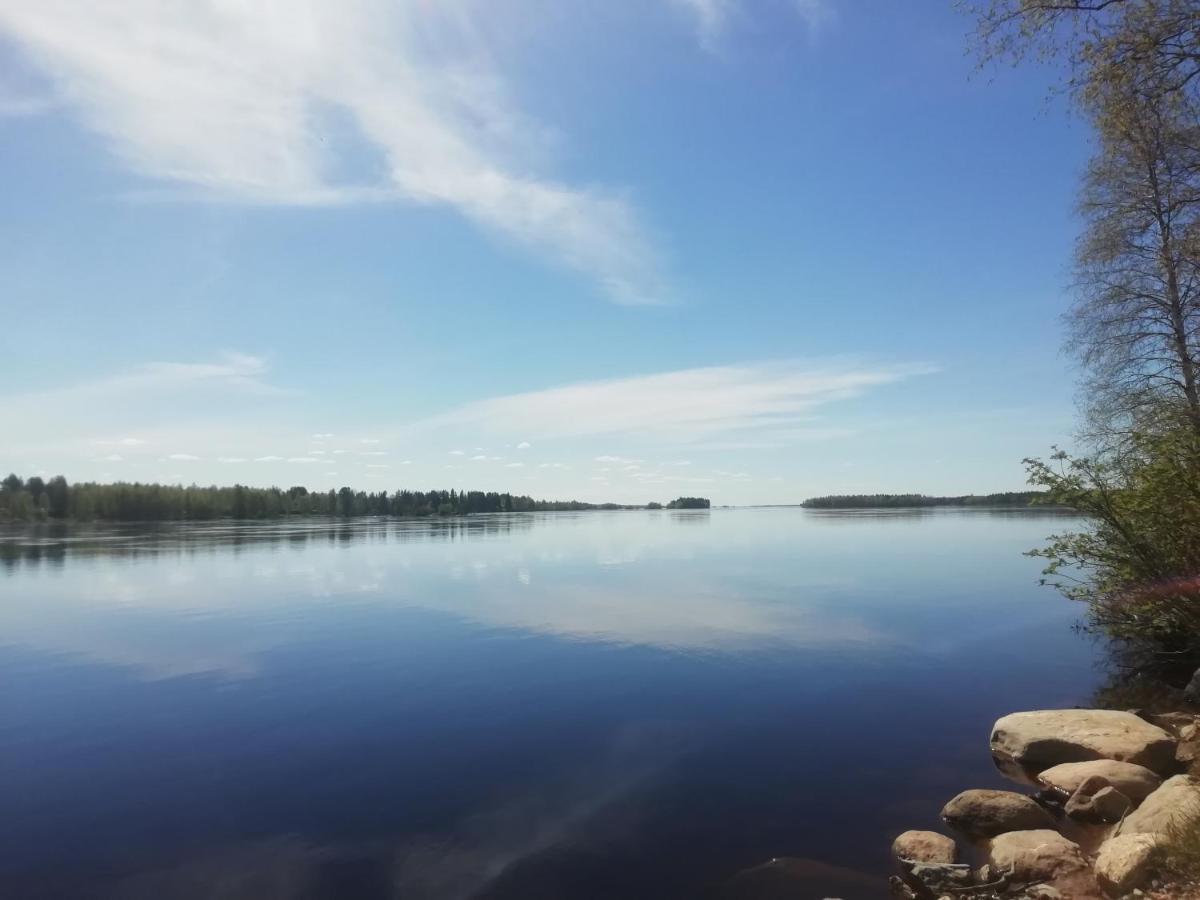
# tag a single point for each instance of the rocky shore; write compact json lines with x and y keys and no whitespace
{"x":1103,"y":793}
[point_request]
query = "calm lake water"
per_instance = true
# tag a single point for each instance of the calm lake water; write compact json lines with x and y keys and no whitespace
{"x":595,"y":705}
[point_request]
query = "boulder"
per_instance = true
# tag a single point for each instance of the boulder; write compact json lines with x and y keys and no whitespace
{"x":1191,"y":693}
{"x":1033,"y":856}
{"x":1179,"y":796}
{"x":1044,"y":738}
{"x":1097,"y":801}
{"x":940,"y":877}
{"x":1134,"y":781}
{"x":981,"y":813}
{"x":924,"y":847}
{"x":1124,"y":862}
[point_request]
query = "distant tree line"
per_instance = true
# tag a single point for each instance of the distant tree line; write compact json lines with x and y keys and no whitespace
{"x":689,"y":503}
{"x":35,"y":498}
{"x":910,"y":501}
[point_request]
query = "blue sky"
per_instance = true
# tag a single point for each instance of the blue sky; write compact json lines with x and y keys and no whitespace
{"x":752,"y":249}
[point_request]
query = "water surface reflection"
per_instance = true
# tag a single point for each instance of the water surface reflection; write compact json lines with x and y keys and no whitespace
{"x":630,"y":704}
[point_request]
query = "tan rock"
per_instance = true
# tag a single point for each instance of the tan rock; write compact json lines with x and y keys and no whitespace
{"x":1032,"y":856}
{"x":1179,"y":796}
{"x":1134,"y":781}
{"x":981,"y":813}
{"x":1043,"y":738}
{"x":924,"y":847}
{"x":1124,"y":862}
{"x":1097,"y":801}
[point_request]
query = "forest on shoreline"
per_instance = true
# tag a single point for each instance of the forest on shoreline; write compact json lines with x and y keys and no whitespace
{"x":1018,"y":499}
{"x":36,"y":499}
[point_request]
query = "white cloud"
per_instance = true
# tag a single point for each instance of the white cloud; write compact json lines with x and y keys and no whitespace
{"x":231,"y":459}
{"x":112,"y":457}
{"x":713,"y":17}
{"x":710,"y":15}
{"x":147,"y":393}
{"x":686,"y":405}
{"x":269,"y":459}
{"x":457,"y":453}
{"x":183,"y":457}
{"x":304,"y":459}
{"x":815,"y":14}
{"x":524,"y":445}
{"x":368,"y":440}
{"x":322,"y":435}
{"x":378,"y":466}
{"x":516,"y":465}
{"x":272,"y":102}
{"x":373,"y":453}
{"x":479,"y":457}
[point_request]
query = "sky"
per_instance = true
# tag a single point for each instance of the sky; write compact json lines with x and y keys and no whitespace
{"x":755,"y":250}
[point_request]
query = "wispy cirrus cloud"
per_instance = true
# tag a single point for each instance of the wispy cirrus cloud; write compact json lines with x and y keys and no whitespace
{"x":303,"y":102}
{"x":685,"y":405}
{"x":712,"y":17}
{"x":130,"y":399}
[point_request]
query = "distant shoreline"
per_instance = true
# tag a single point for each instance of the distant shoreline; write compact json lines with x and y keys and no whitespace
{"x":1006,"y":499}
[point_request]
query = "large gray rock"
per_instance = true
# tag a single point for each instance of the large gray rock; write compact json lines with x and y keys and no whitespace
{"x":1178,"y":797}
{"x":1124,"y":862}
{"x":1191,"y":693}
{"x":1044,"y":738}
{"x":1031,"y":856}
{"x":1097,"y":801}
{"x":981,"y":813}
{"x":1134,"y":781}
{"x":924,"y":847}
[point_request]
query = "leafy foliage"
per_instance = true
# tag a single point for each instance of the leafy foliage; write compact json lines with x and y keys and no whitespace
{"x":1137,"y":563}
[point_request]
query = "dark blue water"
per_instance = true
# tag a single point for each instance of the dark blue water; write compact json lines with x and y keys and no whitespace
{"x":596,"y":705}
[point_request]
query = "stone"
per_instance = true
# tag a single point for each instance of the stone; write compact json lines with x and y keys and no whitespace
{"x":1036,"y":855}
{"x":1044,"y":892}
{"x":924,"y":847}
{"x":1043,"y":738}
{"x":1187,"y":751}
{"x":1134,"y":781}
{"x":1191,"y":693}
{"x":1095,"y":800}
{"x":1124,"y":862}
{"x":1179,"y":796}
{"x":935,"y":877}
{"x":983,"y":813}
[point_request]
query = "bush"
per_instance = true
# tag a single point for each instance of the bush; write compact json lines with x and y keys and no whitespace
{"x":1138,"y":563}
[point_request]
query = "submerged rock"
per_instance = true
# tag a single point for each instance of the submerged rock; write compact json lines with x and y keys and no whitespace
{"x":1033,"y":856}
{"x":938,"y":877}
{"x":924,"y":847}
{"x":1134,"y":781}
{"x":1191,"y":693}
{"x":1178,"y":797}
{"x":1043,"y":738}
{"x":983,"y":813}
{"x":1124,"y":862}
{"x":1095,"y":800}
